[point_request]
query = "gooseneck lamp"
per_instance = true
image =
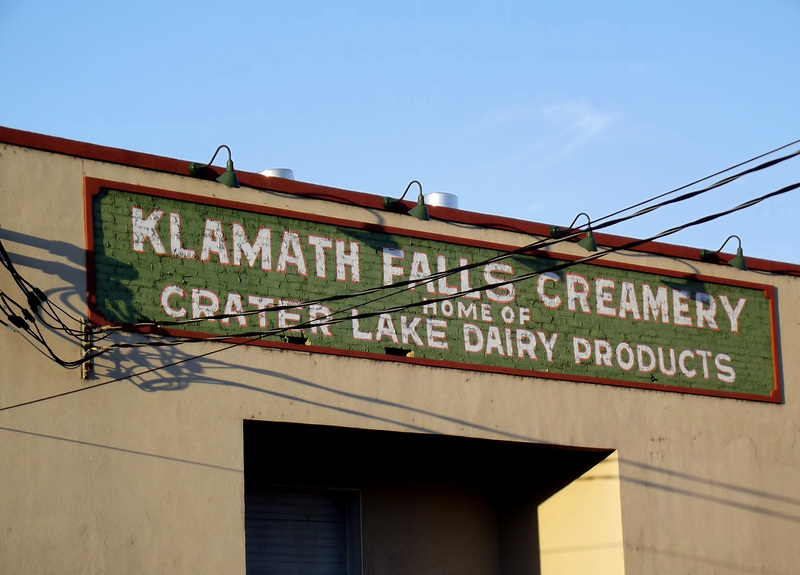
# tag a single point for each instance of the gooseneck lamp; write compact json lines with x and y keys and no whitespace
{"x":228,"y":177}
{"x":420,"y":211}
{"x":738,"y":260}
{"x":588,"y":243}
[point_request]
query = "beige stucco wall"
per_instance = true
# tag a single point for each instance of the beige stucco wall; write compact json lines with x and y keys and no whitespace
{"x":145,"y":474}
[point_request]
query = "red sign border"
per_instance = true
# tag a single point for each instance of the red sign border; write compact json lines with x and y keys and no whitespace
{"x":93,"y":186}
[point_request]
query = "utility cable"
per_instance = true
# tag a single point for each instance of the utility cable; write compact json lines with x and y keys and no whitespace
{"x":36,"y":298}
{"x":123,"y":378}
{"x":340,"y":316}
{"x":541,"y":244}
{"x":683,"y":187}
{"x":629,"y":245}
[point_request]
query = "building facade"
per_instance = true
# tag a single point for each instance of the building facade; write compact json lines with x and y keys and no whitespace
{"x":289,"y":378}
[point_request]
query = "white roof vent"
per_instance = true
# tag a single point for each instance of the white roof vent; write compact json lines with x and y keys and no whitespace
{"x":286,"y":173}
{"x":442,"y":199}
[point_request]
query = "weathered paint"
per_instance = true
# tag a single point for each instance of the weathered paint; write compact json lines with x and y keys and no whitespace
{"x":146,"y":474}
{"x":161,"y":259}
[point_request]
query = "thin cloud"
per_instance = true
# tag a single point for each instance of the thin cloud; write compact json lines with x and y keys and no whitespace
{"x":502,"y":117}
{"x":577,"y":121}
{"x":544,"y":134}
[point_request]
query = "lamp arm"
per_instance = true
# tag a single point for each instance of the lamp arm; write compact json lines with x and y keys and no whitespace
{"x":389,"y":202}
{"x":194,"y":166}
{"x":726,"y":241}
{"x":589,"y":220}
{"x":408,"y":187}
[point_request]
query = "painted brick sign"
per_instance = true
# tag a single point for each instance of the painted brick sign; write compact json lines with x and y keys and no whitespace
{"x":344,"y":288}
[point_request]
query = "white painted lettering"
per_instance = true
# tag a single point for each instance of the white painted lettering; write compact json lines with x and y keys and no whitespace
{"x":603,"y":297}
{"x":243,"y":247}
{"x":357,"y":333}
{"x":435,"y":334}
{"x":645,"y":358}
{"x":493,"y":341}
{"x":385,"y":328}
{"x":441,"y":267}
{"x":464,"y":281}
{"x":409,"y":330}
{"x":234,"y":305}
{"x":261,"y":303}
{"x":144,"y":229}
{"x":473,"y":338}
{"x":725,"y":372}
{"x":291,"y":253}
{"x":420,"y":269}
{"x":346,"y":260}
{"x":628,"y":303}
{"x":214,"y":242}
{"x":655,"y":304}
{"x":503,"y":294}
{"x":168,"y":292}
{"x":733,"y":312}
{"x":176,"y":248}
{"x":391,"y":271}
{"x":320,"y":245}
{"x":682,"y":357}
{"x":288,"y":318}
{"x":550,"y":302}
{"x":317,"y":315}
{"x":577,"y":291}
{"x":526,"y":343}
{"x":548,"y":343}
{"x":204,"y":303}
{"x":581,"y":349}
{"x":680,"y":307}
{"x":706,"y":310}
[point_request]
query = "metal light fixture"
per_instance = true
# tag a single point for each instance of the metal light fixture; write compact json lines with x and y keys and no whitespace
{"x":228,"y":177}
{"x":587,"y":242}
{"x":738,"y":260}
{"x":420,"y":211}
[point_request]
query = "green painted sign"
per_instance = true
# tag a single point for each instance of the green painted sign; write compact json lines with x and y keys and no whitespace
{"x":232,"y":270}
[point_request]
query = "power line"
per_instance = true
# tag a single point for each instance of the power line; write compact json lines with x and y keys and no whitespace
{"x":123,"y":378}
{"x":683,"y":187}
{"x":36,"y":298}
{"x":557,"y":267}
{"x":398,"y":287}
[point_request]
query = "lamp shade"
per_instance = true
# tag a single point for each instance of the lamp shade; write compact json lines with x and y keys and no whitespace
{"x":588,"y":242}
{"x":738,"y":261}
{"x":228,"y":177}
{"x":420,"y":211}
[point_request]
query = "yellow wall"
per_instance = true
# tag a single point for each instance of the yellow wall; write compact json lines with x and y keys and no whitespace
{"x":146,"y":474}
{"x":580,"y":527}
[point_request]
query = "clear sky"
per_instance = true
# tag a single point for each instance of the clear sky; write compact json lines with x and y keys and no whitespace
{"x":530,"y":109}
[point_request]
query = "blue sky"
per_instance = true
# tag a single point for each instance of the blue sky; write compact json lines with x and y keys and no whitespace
{"x":535,"y":110}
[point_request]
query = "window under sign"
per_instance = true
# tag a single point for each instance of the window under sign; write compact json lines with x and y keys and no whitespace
{"x":301,"y":531}
{"x":405,"y":503}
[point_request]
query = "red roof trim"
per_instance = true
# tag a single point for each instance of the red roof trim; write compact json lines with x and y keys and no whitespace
{"x":370,"y":201}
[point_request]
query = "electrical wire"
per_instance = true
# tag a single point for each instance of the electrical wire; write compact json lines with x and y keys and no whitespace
{"x":123,"y":378}
{"x":398,"y":287}
{"x":683,"y":187}
{"x":590,"y":257}
{"x":340,"y":316}
{"x":36,"y":297}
